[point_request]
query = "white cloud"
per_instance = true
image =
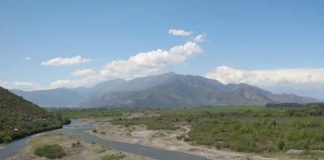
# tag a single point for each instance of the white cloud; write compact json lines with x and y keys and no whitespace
{"x":268,"y":77}
{"x":139,"y":65}
{"x":179,"y":32}
{"x":142,"y":64}
{"x":59,"y":61}
{"x":19,"y":85}
{"x":301,"y":81}
{"x":85,"y":82}
{"x":146,"y":63}
{"x":84,"y":73}
{"x":199,"y":38}
{"x":27,"y":58}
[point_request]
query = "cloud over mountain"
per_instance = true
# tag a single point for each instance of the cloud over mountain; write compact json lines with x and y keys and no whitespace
{"x":146,"y":63}
{"x":84,"y":73}
{"x":19,"y":85}
{"x":302,"y":81}
{"x":139,"y":65}
{"x":268,"y":77}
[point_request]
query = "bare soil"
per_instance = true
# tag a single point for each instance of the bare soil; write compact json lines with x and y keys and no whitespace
{"x":164,"y":139}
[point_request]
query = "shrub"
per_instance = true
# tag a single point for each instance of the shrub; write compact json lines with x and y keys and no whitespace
{"x":77,"y":144}
{"x":281,"y":145}
{"x":186,"y":139}
{"x":6,"y":139}
{"x":114,"y":157}
{"x":50,"y":151}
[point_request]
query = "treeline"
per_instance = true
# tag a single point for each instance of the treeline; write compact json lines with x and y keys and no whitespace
{"x":317,"y":108}
{"x":20,"y":118}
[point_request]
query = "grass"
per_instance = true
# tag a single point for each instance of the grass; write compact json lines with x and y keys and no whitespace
{"x":50,"y":151}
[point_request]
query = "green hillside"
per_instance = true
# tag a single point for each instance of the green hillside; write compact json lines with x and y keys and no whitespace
{"x":20,"y":118}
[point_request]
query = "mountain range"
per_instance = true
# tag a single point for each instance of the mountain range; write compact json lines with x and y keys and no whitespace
{"x":165,"y":90}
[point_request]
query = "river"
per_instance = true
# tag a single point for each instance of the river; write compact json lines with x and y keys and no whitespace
{"x":78,"y":129}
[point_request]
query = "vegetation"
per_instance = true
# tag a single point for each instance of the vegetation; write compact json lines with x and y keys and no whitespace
{"x":69,"y":113}
{"x":20,"y":118}
{"x":154,"y":123}
{"x":50,"y":151}
{"x":265,"y":130}
{"x":114,"y":157}
{"x":245,"y":129}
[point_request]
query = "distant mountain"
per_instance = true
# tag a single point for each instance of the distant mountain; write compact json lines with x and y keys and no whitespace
{"x":182,"y":91}
{"x":60,"y":97}
{"x":120,"y":85}
{"x":19,"y":118}
{"x":165,"y":90}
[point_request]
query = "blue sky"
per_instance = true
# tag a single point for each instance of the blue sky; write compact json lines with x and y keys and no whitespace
{"x":248,"y":39}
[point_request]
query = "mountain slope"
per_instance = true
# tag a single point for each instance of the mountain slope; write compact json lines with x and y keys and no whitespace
{"x":182,"y":91}
{"x":20,"y":118}
{"x":52,"y":98}
{"x":169,"y":90}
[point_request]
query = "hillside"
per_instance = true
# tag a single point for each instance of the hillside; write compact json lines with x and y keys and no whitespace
{"x":165,"y":90}
{"x":20,"y":118}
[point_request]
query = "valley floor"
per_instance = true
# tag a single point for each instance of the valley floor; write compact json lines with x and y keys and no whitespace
{"x":164,"y":139}
{"x":83,"y":151}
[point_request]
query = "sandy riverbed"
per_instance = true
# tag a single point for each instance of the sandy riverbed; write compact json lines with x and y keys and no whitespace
{"x":84,"y":151}
{"x":164,"y":139}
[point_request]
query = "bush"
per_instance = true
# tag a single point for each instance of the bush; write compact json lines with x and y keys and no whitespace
{"x":77,"y":144}
{"x":50,"y":151}
{"x":281,"y":145}
{"x":6,"y":139}
{"x":113,"y":157}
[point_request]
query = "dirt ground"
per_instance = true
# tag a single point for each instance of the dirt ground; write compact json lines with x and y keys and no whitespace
{"x":84,"y":151}
{"x":164,"y":139}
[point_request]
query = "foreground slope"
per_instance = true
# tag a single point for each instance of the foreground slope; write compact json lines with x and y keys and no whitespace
{"x":20,"y":118}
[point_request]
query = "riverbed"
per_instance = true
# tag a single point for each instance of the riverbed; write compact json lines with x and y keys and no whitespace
{"x":79,"y":130}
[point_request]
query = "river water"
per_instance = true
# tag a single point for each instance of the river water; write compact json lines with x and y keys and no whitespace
{"x":78,"y":129}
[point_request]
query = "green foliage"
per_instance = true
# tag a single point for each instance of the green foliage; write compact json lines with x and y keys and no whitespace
{"x":69,"y":113}
{"x":281,"y":145}
{"x":20,"y":118}
{"x":6,"y":139}
{"x":245,"y":129}
{"x":50,"y":151}
{"x":155,"y":123}
{"x":253,"y":130}
{"x":114,"y":157}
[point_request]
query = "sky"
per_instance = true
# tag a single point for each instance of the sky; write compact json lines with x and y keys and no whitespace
{"x":273,"y":44}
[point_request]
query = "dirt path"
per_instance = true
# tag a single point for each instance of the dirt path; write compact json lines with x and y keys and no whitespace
{"x":164,"y":139}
